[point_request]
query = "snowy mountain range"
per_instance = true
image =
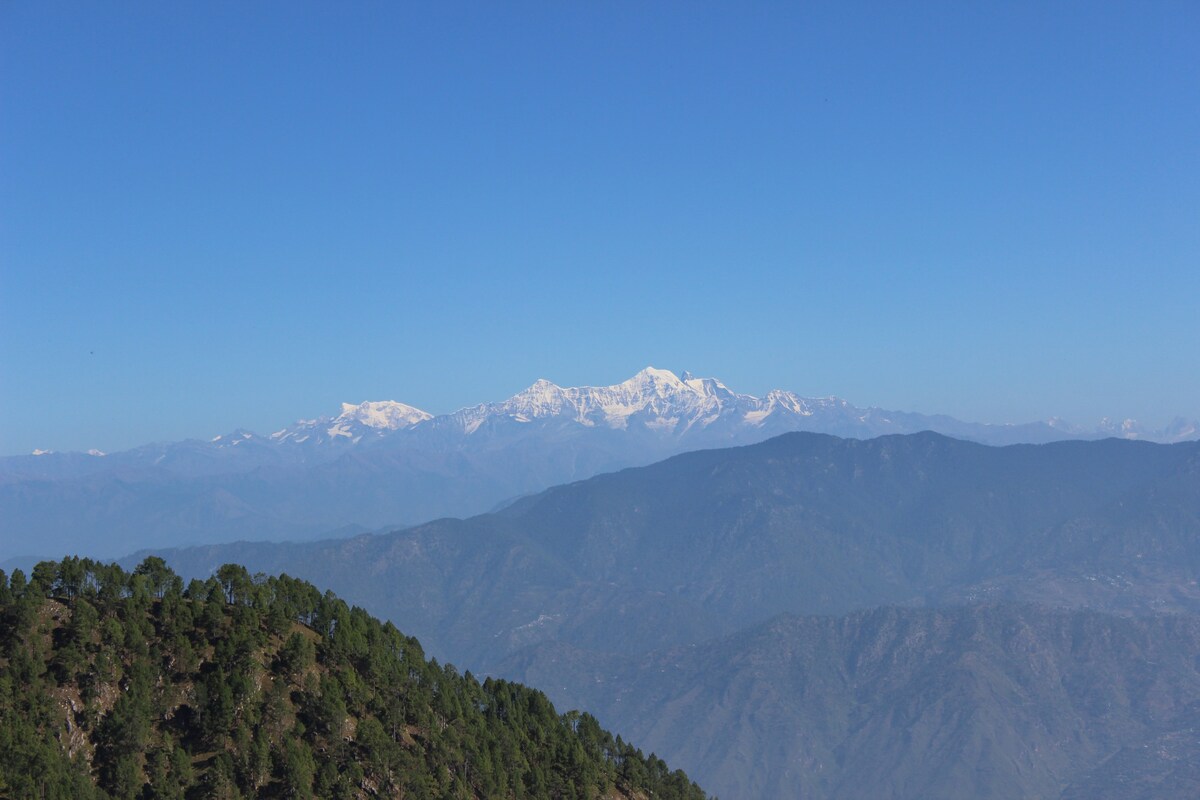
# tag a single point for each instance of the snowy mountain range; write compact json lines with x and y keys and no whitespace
{"x":385,"y":463}
{"x":682,"y":406}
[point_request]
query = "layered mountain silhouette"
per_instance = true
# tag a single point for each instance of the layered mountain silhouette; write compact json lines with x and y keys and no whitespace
{"x":1022,"y":651}
{"x":383,"y":464}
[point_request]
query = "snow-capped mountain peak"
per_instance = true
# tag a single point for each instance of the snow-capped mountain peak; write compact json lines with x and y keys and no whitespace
{"x":384,"y":414}
{"x":373,"y":417}
{"x":657,"y":398}
{"x":657,"y":378}
{"x":541,"y":399}
{"x":377,"y":416}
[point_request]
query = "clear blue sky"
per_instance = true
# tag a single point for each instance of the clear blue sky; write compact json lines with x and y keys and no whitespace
{"x":220,"y":215}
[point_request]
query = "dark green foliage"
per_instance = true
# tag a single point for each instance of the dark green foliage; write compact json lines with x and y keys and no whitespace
{"x":122,"y":685}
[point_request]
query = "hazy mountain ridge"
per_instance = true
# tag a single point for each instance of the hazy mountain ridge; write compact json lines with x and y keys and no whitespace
{"x":709,"y":541}
{"x":380,"y":464}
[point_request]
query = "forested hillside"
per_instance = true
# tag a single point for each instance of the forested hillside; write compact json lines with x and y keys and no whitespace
{"x":131,"y":685}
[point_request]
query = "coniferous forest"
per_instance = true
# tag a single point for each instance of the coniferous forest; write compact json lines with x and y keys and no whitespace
{"x":131,"y":685}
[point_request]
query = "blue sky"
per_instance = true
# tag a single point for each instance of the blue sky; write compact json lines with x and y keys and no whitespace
{"x":221,"y":215}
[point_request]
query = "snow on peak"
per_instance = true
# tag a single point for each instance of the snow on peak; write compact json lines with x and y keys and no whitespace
{"x":657,"y":376}
{"x":40,"y":452}
{"x":383,"y":414}
{"x":374,"y":417}
{"x":659,"y":397}
{"x":664,"y":383}
{"x":95,"y":452}
{"x":542,"y":399}
{"x":541,"y":390}
{"x":653,"y":399}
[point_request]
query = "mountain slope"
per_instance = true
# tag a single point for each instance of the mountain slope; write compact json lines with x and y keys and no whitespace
{"x":898,"y":704}
{"x":597,"y":578}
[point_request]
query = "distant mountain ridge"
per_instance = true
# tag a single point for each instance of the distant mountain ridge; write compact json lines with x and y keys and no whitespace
{"x":704,"y":543}
{"x":659,"y":399}
{"x":384,"y":463}
{"x":654,"y":400}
